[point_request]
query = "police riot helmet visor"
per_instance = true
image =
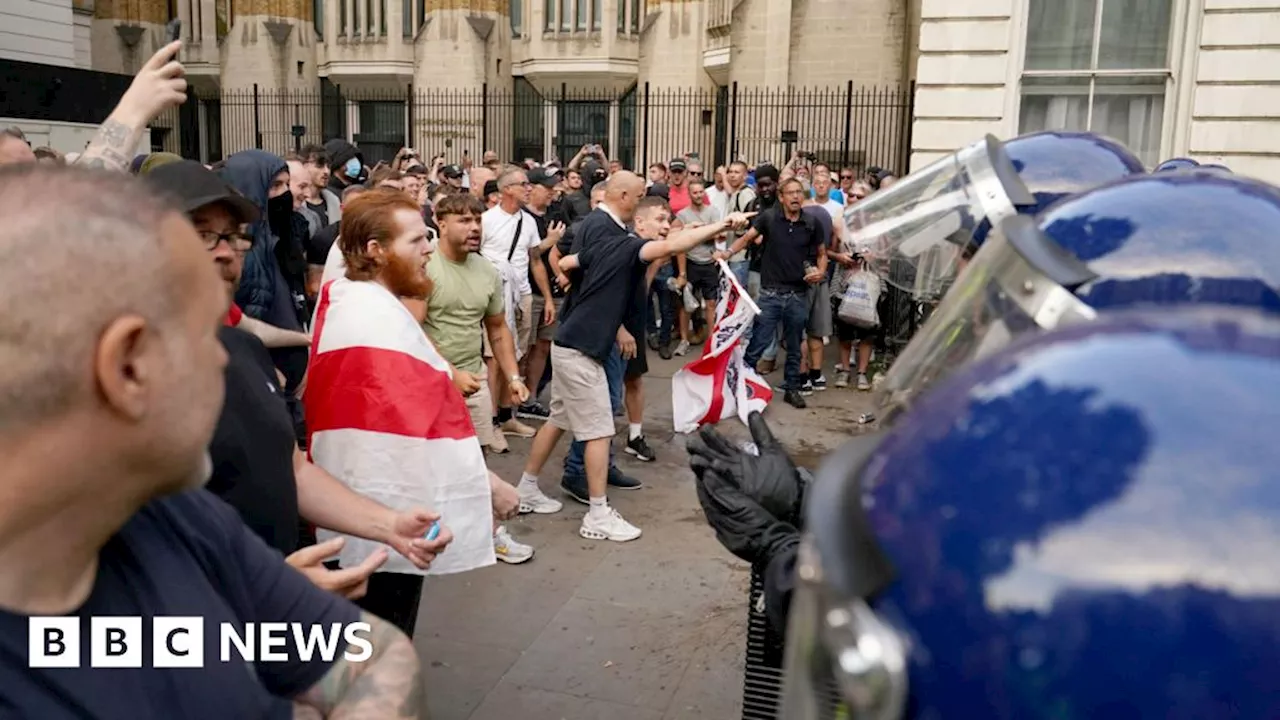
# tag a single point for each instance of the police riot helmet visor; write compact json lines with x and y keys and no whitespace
{"x":1020,"y":281}
{"x":914,"y":234}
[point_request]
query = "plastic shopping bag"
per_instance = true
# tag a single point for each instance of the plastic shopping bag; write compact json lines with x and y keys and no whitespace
{"x":858,"y":304}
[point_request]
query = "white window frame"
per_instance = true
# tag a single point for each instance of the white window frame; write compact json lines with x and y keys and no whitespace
{"x":1184,"y":33}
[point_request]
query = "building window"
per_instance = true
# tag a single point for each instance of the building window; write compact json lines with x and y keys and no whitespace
{"x":580,"y":21}
{"x":635,"y":15}
{"x":1099,"y":65}
{"x":566,"y":15}
{"x":517,"y":18}
{"x":549,"y":24}
{"x":317,"y":17}
{"x":622,"y":17}
{"x":597,"y":10}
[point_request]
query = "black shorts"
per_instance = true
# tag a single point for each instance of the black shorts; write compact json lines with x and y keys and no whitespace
{"x":704,"y":279}
{"x":846,"y":332}
{"x":638,"y":365}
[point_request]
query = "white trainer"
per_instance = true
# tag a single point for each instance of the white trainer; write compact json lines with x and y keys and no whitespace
{"x":610,"y":527}
{"x":535,"y":501}
{"x":508,"y":550}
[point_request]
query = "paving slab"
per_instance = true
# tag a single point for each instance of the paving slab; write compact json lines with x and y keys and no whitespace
{"x":653,"y":629}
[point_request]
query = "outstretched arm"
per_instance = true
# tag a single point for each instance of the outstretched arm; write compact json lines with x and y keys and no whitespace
{"x":691,"y":237}
{"x":161,"y":83}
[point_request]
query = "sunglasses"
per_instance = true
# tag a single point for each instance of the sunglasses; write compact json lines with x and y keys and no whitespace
{"x":846,"y":177}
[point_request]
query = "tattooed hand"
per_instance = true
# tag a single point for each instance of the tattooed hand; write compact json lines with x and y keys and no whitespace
{"x":160,"y":84}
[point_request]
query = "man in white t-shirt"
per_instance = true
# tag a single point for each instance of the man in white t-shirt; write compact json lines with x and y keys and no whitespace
{"x":510,"y":237}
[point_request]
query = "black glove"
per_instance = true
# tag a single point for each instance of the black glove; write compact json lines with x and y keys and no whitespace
{"x":744,"y":527}
{"x":770,"y":479}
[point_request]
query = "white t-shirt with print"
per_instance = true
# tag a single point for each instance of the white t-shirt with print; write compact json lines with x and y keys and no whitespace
{"x":498,"y":228}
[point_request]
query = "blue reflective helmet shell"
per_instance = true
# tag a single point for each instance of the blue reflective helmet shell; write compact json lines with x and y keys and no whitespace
{"x":1200,"y":237}
{"x":1084,"y":526}
{"x":1175,"y":164}
{"x":1057,"y":164}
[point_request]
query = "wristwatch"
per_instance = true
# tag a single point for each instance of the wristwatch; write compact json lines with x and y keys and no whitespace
{"x":517,"y":379}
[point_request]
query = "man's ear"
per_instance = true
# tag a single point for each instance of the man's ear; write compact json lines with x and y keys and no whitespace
{"x":373,"y":249}
{"x":124,"y":365}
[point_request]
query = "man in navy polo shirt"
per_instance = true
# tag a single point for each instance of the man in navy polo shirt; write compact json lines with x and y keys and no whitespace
{"x":793,"y":257}
{"x":109,"y":393}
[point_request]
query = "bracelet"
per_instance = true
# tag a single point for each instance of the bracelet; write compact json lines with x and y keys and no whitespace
{"x":517,"y":379}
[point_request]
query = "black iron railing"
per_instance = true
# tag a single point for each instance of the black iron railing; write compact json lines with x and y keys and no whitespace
{"x":643,"y":124}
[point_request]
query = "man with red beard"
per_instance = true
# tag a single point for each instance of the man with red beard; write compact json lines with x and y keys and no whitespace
{"x":382,"y":409}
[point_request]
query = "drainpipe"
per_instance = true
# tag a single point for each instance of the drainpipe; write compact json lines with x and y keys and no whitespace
{"x":907,"y":42}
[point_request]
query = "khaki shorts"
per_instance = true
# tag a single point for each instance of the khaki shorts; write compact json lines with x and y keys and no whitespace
{"x":480,"y":405}
{"x":524,"y":329}
{"x":579,"y":395}
{"x":546,"y":332}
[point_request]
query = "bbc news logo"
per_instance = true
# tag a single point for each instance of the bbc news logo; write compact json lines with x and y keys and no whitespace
{"x":179,"y":642}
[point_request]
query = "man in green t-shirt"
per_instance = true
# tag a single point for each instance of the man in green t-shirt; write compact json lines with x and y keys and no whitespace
{"x":466,"y":300}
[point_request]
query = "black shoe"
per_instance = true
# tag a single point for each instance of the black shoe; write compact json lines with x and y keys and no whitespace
{"x":622,"y":482}
{"x":533,"y":410}
{"x":653,"y":341}
{"x":793,"y":398}
{"x":576,"y":488}
{"x":819,"y":383}
{"x":806,"y":388}
{"x":664,"y":351}
{"x":641,"y":449}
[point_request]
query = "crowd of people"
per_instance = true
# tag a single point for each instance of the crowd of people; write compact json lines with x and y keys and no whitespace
{"x":282,"y":375}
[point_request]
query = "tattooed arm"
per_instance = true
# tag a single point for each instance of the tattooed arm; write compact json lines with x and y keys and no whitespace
{"x":160,"y":84}
{"x":387,"y":685}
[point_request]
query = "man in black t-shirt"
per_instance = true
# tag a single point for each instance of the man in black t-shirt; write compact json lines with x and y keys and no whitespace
{"x":613,"y":264}
{"x":105,"y":417}
{"x":793,"y":256}
{"x":550,"y":230}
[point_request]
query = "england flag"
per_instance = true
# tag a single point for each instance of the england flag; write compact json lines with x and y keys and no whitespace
{"x":718,"y":384}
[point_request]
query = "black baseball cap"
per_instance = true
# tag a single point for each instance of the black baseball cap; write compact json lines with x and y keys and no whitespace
{"x":676,"y":165}
{"x":453,"y":172}
{"x":546,"y":177}
{"x":659,"y":190}
{"x":195,"y":186}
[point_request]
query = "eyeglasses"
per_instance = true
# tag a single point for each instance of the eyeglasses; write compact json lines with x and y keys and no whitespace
{"x":696,"y":172}
{"x":236,"y":240}
{"x":846,"y":177}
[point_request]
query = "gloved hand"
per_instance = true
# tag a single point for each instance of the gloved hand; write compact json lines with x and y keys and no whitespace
{"x":770,"y":479}
{"x":744,"y":527}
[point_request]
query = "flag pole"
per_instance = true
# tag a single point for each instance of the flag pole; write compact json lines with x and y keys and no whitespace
{"x":742,"y":292}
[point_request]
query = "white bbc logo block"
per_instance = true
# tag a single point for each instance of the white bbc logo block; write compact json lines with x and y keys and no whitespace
{"x":115,"y":642}
{"x":53,"y":642}
{"x":177,"y":642}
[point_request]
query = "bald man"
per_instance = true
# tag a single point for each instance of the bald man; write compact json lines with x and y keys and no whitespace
{"x":613,"y":261}
{"x":110,"y":388}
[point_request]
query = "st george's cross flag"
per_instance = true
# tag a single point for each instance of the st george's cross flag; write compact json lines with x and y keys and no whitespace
{"x":384,"y":417}
{"x":718,"y":384}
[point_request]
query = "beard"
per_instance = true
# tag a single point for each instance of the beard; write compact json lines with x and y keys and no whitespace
{"x":406,"y":278}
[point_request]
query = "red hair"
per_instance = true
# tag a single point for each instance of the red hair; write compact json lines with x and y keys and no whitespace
{"x":369,"y":216}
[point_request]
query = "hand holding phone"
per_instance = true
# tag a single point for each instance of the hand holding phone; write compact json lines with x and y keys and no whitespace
{"x":173,"y":30}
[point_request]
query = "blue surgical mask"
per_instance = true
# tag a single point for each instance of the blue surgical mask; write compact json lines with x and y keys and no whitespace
{"x":352,"y":168}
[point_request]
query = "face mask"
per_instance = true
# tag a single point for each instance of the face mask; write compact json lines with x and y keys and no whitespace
{"x":280,"y":215}
{"x":352,"y":168}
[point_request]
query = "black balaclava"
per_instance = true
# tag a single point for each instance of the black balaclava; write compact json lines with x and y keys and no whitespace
{"x":280,"y":215}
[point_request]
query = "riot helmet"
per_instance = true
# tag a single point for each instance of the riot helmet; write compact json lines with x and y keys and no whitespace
{"x":1189,"y":237}
{"x":917,"y":234}
{"x":1079,"y":526}
{"x":1175,"y":164}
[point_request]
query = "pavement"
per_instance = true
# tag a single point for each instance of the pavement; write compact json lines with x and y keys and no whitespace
{"x":653,"y":629}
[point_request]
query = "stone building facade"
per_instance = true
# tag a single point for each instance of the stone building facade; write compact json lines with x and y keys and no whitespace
{"x":1169,"y":78}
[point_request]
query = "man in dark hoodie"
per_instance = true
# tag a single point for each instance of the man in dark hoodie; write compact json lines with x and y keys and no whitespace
{"x":273,"y":284}
{"x":346,"y":165}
